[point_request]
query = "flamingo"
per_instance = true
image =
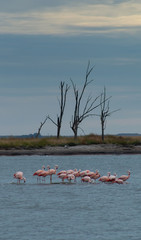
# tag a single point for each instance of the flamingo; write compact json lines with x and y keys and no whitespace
{"x":19,"y":176}
{"x":105,"y":178}
{"x":70,"y":171}
{"x":51,"y":172}
{"x":70,"y":177}
{"x":63,"y":176}
{"x":44,"y":173}
{"x":88,"y":174}
{"x":125,"y":177}
{"x":38,"y":172}
{"x":95,"y":175}
{"x":84,"y":173}
{"x":86,"y":179}
{"x":77,"y":174}
{"x":112,"y":178}
{"x":63,"y":171}
{"x":119,"y":181}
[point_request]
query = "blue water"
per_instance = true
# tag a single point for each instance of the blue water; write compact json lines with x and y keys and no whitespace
{"x":70,"y":211}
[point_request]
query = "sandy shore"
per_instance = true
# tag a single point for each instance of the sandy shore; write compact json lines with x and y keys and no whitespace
{"x":75,"y":150}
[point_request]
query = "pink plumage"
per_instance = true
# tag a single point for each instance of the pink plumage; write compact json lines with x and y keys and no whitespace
{"x":19,"y":176}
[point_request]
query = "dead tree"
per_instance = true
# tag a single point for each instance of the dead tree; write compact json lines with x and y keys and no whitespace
{"x":90,"y":104}
{"x":105,"y":111}
{"x":62,"y":102}
{"x":41,"y":125}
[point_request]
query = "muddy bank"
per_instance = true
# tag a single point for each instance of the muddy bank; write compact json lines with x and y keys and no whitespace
{"x":75,"y":150}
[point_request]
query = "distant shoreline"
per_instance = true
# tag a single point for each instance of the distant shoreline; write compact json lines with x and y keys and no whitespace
{"x":94,"y":149}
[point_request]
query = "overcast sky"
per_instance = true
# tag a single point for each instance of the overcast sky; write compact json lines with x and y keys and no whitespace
{"x":45,"y":42}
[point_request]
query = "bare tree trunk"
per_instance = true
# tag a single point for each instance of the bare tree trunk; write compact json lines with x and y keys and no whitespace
{"x":102,"y":127}
{"x":105,"y":112}
{"x":62,"y":103}
{"x":75,"y":130}
{"x":88,"y":107}
{"x":58,"y":128}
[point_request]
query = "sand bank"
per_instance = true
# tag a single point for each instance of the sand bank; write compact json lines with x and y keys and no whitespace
{"x":75,"y":150}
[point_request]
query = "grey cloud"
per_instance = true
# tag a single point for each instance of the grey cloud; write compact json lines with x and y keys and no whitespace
{"x":34,"y":61}
{"x":28,"y":5}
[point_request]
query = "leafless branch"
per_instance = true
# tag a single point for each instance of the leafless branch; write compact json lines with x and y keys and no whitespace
{"x":89,"y":105}
{"x":52,"y":121}
{"x":105,"y":111}
{"x":41,"y":125}
{"x":62,"y":102}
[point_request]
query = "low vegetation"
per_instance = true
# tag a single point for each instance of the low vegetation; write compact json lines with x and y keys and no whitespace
{"x":31,"y":143}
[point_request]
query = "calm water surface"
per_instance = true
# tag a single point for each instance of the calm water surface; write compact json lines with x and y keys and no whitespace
{"x":70,"y":211}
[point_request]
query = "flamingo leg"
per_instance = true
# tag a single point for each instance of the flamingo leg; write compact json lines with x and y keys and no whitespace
{"x":50,"y":178}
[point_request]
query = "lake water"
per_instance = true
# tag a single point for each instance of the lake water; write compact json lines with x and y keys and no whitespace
{"x":70,"y":211}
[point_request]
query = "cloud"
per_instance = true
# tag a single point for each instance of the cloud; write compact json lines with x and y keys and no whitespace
{"x":74,"y":19}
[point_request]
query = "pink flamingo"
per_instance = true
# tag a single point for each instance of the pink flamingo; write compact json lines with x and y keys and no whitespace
{"x":51,"y":172}
{"x":70,"y":171}
{"x":39,"y":172}
{"x":86,"y":179}
{"x":44,"y":173}
{"x":88,"y":174}
{"x":105,"y":178}
{"x":19,"y":176}
{"x":70,"y":177}
{"x":125,"y":177}
{"x":84,"y":173}
{"x":76,"y":174}
{"x":119,"y":181}
{"x":63,"y":171}
{"x":63,"y":176}
{"x":95,"y":175}
{"x":112,"y":178}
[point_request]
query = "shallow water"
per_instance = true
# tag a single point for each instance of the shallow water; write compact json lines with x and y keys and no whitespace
{"x":70,"y":211}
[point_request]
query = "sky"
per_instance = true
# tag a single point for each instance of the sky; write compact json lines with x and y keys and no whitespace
{"x":45,"y":42}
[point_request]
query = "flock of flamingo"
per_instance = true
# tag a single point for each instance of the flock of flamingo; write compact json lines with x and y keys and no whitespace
{"x":69,"y":175}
